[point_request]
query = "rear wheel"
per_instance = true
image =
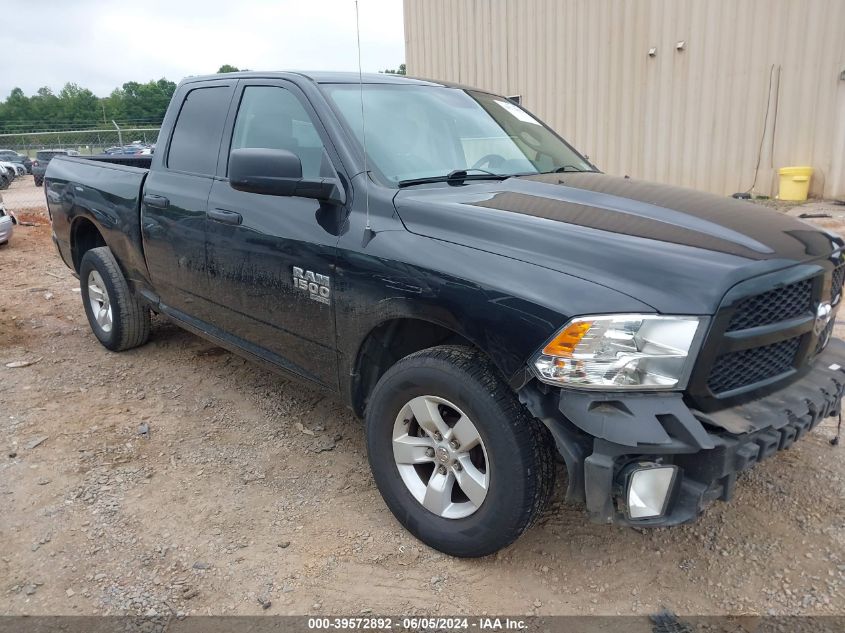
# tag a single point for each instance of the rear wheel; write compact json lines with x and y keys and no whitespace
{"x":38,"y":181}
{"x":458,"y":460}
{"x":117,"y":318}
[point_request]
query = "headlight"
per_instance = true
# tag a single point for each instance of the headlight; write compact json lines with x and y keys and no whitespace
{"x":621,"y":351}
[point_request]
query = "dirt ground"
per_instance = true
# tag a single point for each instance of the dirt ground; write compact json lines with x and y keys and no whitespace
{"x":179,"y":478}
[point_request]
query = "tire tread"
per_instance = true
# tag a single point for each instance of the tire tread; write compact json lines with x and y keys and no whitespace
{"x":133,"y":317}
{"x":534,"y":437}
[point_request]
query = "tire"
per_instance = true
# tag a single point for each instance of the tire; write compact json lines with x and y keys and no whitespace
{"x":38,"y":181}
{"x":517,"y":456}
{"x":125,"y":321}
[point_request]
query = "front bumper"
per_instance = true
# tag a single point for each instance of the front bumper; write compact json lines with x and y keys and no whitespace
{"x":598,"y":435}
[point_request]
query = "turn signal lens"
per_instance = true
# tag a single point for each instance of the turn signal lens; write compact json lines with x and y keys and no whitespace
{"x":564,"y":344}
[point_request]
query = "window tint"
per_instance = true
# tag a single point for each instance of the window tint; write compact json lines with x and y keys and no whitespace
{"x":273,"y":118}
{"x":196,"y":137}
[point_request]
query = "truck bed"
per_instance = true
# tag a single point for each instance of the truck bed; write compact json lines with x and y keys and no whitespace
{"x":106,"y":191}
{"x":136,"y":160}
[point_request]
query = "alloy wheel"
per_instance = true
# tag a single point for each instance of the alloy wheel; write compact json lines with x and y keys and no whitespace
{"x":441,"y":457}
{"x":98,"y":297}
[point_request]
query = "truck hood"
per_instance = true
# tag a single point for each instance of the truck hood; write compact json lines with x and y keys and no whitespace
{"x":678,"y":250}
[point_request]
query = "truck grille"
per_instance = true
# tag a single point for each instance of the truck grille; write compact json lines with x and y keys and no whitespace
{"x":824,"y":337}
{"x":764,"y":332}
{"x":780,"y":304}
{"x":745,"y":367}
{"x":836,"y":281}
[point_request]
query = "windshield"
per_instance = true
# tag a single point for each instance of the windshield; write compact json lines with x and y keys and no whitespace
{"x":49,"y":155}
{"x":420,"y":132}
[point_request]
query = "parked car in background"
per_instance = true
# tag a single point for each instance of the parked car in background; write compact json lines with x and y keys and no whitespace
{"x":17,"y":168}
{"x":13,"y":157}
{"x":128,"y":150}
{"x":7,"y":223}
{"x":43,"y":158}
{"x":9,"y":173}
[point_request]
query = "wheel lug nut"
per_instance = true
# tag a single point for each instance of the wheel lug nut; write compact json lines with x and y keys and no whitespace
{"x":438,"y":436}
{"x":455,"y":444}
{"x":441,"y":470}
{"x":458,"y":466}
{"x":429,"y":452}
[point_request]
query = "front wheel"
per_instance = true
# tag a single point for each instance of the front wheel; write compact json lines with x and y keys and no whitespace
{"x":117,"y":318}
{"x":458,"y":460}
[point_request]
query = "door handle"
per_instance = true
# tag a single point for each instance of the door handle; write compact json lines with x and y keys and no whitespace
{"x":159,"y":202}
{"x":225,"y":216}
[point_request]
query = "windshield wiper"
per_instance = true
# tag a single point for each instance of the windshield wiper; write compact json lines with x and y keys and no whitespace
{"x":568,"y":168}
{"x":456,"y":175}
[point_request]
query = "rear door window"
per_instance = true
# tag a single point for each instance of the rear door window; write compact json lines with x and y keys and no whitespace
{"x":196,"y":136}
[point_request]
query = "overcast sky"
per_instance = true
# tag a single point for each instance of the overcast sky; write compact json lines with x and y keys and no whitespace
{"x":100,"y":44}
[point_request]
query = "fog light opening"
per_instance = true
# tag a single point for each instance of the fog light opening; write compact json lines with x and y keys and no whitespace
{"x":649,"y":489}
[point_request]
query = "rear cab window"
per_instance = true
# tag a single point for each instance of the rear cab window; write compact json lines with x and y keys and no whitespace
{"x":195,"y":142}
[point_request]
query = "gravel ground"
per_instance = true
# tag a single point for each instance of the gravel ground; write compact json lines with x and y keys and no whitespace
{"x":179,"y":478}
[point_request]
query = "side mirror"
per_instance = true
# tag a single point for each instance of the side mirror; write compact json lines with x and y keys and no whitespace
{"x":278,"y":172}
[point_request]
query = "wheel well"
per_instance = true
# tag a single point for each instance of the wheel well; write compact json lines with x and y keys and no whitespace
{"x":390,"y":342}
{"x":84,"y":237}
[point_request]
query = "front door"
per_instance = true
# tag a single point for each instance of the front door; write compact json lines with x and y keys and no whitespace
{"x":271,"y":258}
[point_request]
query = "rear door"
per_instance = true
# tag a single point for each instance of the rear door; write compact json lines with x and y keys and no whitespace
{"x":271,"y":258}
{"x":175,"y":198}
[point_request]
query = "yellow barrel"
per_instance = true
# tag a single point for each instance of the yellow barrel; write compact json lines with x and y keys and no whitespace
{"x":794,"y":183}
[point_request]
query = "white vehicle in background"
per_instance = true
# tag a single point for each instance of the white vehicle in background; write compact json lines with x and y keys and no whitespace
{"x":7,"y":174}
{"x":7,"y":223}
{"x":15,"y":168}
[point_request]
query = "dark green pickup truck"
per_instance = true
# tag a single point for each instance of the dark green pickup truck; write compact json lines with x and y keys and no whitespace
{"x":473,"y":287}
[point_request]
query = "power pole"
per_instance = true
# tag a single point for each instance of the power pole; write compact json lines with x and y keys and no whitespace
{"x":119,"y":133}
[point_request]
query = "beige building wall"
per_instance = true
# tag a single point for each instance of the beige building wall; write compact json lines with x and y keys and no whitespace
{"x":693,"y":114}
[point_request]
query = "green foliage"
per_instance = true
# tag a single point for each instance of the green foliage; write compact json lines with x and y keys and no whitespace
{"x":74,"y":107}
{"x":137,"y":103}
{"x":396,"y":71}
{"x":228,"y":68}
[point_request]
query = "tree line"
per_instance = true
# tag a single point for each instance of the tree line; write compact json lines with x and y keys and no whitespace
{"x":76,"y":108}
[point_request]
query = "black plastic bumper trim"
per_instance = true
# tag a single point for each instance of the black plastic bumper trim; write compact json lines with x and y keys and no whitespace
{"x":734,"y":439}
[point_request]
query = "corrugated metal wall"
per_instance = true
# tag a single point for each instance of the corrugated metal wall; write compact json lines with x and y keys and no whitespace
{"x":693,"y":117}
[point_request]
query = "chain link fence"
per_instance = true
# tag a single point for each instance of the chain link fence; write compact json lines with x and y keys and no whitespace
{"x":22,"y":196}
